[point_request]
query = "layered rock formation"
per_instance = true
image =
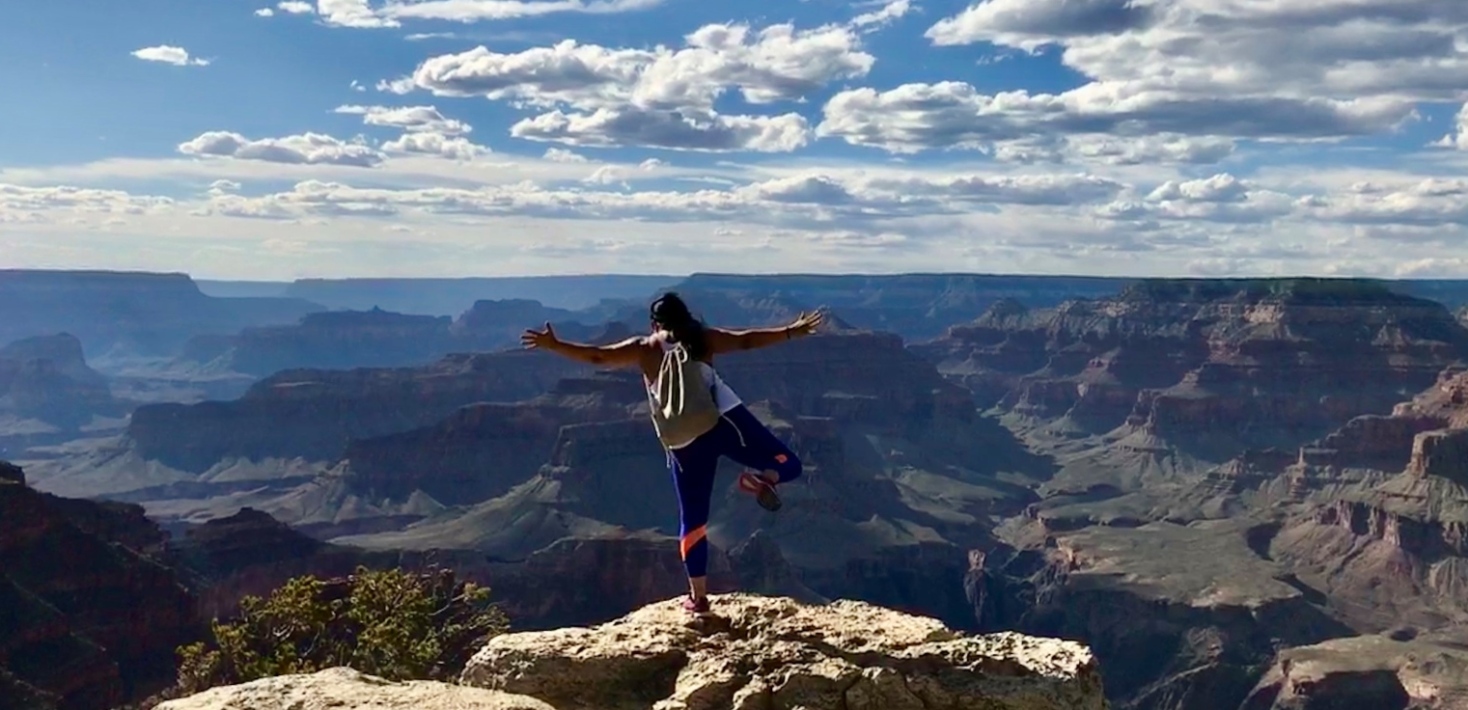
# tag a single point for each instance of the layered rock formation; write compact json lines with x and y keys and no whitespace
{"x":46,"y":378}
{"x":899,"y":475}
{"x":1324,"y":537}
{"x":1396,"y":671}
{"x":377,"y":338}
{"x":331,"y":340}
{"x":772,"y":652}
{"x":491,"y":325}
{"x":314,"y":414}
{"x":1395,"y":550}
{"x":1385,"y":442}
{"x":1181,"y":616}
{"x":776,"y":651}
{"x":1363,"y":452}
{"x":128,"y":312}
{"x":441,"y":297}
{"x":251,"y":553}
{"x":346,"y":688}
{"x":86,"y":614}
{"x":1207,"y":367}
{"x":915,"y":306}
{"x":482,"y":450}
{"x":761,"y":653}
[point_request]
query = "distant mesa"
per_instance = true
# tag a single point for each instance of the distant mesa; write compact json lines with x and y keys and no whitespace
{"x":128,"y":313}
{"x":377,"y":338}
{"x":446,"y":297}
{"x":46,"y":379}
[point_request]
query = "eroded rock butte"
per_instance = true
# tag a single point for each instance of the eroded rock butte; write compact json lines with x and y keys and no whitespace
{"x":762,"y":653}
{"x":758,"y":653}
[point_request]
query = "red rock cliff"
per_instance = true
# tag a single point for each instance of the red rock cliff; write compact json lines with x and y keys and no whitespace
{"x":84,"y":614}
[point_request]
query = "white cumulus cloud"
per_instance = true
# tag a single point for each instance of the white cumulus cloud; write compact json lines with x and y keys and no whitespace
{"x":408,"y":118}
{"x":673,"y":130}
{"x":657,"y":97}
{"x":438,"y":144}
{"x":888,"y":14}
{"x":305,"y":149}
{"x":915,"y":117}
{"x":168,"y":54}
{"x":362,"y":14}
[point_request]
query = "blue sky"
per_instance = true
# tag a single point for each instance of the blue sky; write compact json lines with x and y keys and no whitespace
{"x":239,"y":139}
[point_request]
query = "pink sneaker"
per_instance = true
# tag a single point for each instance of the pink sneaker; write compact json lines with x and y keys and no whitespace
{"x":696,"y":606}
{"x":763,"y":491}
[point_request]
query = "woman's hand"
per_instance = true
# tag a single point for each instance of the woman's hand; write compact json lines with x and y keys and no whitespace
{"x":806,"y":323}
{"x":533,"y":339}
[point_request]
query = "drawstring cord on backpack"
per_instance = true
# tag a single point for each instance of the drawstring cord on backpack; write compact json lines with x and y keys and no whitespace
{"x":681,"y":356}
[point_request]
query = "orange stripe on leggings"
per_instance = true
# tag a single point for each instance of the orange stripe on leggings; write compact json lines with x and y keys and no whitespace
{"x":692,"y":538}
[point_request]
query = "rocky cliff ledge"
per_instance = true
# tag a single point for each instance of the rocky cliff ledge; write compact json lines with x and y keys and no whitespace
{"x":1396,"y":671}
{"x":760,"y":653}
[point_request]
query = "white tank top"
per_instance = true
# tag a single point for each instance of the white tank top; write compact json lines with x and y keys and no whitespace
{"x":724,"y":397}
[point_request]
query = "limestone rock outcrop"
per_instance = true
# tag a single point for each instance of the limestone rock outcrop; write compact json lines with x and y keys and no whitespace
{"x":1441,"y":453}
{"x":337,"y":688}
{"x":1400,"y":670}
{"x":761,"y":653}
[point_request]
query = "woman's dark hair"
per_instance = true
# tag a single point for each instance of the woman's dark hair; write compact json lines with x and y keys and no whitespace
{"x":670,"y":312}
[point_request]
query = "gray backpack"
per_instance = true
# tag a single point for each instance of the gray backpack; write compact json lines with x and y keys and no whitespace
{"x":683,"y":409}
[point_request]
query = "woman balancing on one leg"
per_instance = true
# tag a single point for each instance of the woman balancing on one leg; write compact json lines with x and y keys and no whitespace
{"x":700,"y":422}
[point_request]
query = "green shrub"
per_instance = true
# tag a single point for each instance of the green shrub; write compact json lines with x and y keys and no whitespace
{"x":388,"y":623}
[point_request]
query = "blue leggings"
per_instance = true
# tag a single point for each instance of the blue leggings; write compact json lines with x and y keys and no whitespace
{"x":739,"y":436}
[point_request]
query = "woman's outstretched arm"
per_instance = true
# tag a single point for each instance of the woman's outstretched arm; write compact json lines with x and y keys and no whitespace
{"x":723,"y":341}
{"x":623,"y":354}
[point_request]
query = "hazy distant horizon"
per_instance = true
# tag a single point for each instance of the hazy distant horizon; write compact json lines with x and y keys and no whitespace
{"x":266,"y":281}
{"x":277,"y":140}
